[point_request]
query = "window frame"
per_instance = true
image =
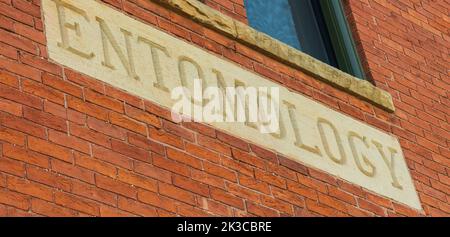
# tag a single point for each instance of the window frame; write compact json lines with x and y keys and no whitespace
{"x":341,"y":37}
{"x":327,"y":36}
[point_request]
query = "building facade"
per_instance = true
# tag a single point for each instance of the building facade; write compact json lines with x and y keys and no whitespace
{"x":86,"y":127}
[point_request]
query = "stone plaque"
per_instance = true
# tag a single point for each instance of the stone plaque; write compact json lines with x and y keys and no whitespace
{"x":106,"y":44}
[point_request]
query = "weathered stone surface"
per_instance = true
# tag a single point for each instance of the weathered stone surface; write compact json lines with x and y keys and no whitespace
{"x":202,"y":14}
{"x":268,"y":45}
{"x":116,"y":49}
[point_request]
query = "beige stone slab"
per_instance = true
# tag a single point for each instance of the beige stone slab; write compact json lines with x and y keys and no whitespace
{"x":100,"y":41}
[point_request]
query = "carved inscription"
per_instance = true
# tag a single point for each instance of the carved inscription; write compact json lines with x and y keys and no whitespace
{"x":99,"y":41}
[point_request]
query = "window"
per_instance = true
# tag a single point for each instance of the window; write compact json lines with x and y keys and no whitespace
{"x":316,"y":27}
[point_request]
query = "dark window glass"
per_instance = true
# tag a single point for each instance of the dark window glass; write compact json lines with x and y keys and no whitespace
{"x":273,"y":17}
{"x":316,"y":27}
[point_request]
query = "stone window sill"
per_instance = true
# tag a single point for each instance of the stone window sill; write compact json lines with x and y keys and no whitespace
{"x":265,"y":44}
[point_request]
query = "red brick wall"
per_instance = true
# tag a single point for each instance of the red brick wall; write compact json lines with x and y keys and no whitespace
{"x":232,"y":8}
{"x":72,"y":145}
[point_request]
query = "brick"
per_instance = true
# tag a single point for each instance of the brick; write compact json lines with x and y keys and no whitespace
{"x":9,"y":79}
{"x":95,"y":165}
{"x":104,"y":101}
{"x":176,"y":193}
{"x":111,"y":157}
{"x":178,"y":131}
{"x":202,"y":153}
{"x":17,"y":42}
{"x":76,"y":117}
{"x":381,"y":201}
{"x":30,"y":188}
{"x":248,"y":159}
{"x":107,"y":211}
{"x":62,"y":85}
{"x":302,"y":190}
{"x":171,"y":165}
{"x":94,"y":193}
{"x":130,"y":151}
{"x":401,"y":209}
{"x":190,"y":185}
{"x":266,"y":72}
{"x":356,"y":212}
{"x":341,"y":195}
{"x":125,"y":122}
{"x":184,"y":158}
{"x":312,"y":183}
{"x":213,"y":145}
{"x":288,"y":196}
{"x":87,"y":108}
{"x":201,"y":128}
{"x":238,"y":166}
{"x":281,"y":171}
{"x":185,"y":210}
{"x":214,"y":207}
{"x":77,"y":203}
{"x":144,"y":142}
{"x":164,"y":213}
{"x":14,"y":199}
{"x":320,"y":175}
{"x":254,"y":184}
{"x":277,"y":204}
{"x":264,"y":153}
{"x":49,"y":149}
{"x":14,"y":212}
{"x":139,"y":12}
{"x":45,"y":119}
{"x":142,"y":116}
{"x":233,"y":141}
{"x":220,"y":171}
{"x":84,"y":80}
{"x":55,"y":109}
{"x":20,"y":97}
{"x":115,"y":186}
{"x":332,"y":202}
{"x":50,"y":209}
{"x":69,"y":141}
{"x":89,"y":135}
{"x":3,"y":180}
{"x":270,"y":178}
{"x":32,"y":60}
{"x":136,"y":207}
{"x":27,"y":7}
{"x":153,"y":172}
{"x":72,"y":171}
{"x":371,"y":207}
{"x":207,"y":178}
{"x":320,"y":208}
{"x":224,"y":197}
{"x":30,"y":157}
{"x":12,"y":136}
{"x":137,"y":180}
{"x":166,"y":138}
{"x":106,"y":128}
{"x":244,"y":193}
{"x":174,"y":29}
{"x":20,"y":69}
{"x":157,"y":200}
{"x":11,"y":107}
{"x":124,"y":96}
{"x":49,"y":178}
{"x":351,"y":188}
{"x":218,"y":38}
{"x":261,"y":210}
{"x":6,"y":23}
